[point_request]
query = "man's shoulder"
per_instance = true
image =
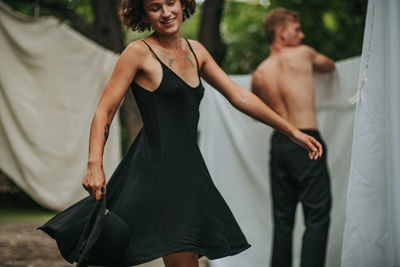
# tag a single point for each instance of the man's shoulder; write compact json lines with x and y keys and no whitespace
{"x":263,"y":74}
{"x":261,"y":69}
{"x":265,"y":65}
{"x":296,"y":53}
{"x":306,"y":49}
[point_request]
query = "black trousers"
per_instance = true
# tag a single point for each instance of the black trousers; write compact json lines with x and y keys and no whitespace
{"x":295,"y":178}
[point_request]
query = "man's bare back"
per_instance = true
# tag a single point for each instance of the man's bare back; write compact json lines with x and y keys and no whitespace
{"x":285,"y":82}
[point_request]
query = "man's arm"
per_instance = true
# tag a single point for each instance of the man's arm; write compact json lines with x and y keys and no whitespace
{"x":322,"y":63}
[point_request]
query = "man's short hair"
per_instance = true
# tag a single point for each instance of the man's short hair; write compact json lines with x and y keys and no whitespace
{"x":277,"y":17}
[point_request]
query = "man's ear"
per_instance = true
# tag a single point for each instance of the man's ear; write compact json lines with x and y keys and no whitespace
{"x":279,"y":32}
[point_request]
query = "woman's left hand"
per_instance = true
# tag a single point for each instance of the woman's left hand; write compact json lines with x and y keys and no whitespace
{"x":310,"y":143}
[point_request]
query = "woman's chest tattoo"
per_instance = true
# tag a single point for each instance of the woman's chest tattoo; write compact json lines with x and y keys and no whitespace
{"x":168,"y":59}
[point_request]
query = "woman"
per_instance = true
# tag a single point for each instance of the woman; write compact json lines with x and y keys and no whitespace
{"x":161,"y":188}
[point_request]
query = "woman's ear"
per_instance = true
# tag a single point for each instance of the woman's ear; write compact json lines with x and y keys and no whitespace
{"x":183,"y":6}
{"x":144,"y":19}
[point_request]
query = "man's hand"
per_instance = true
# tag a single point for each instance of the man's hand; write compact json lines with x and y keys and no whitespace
{"x":310,"y":143}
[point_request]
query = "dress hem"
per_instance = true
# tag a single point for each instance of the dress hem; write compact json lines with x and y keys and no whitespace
{"x":197,"y":251}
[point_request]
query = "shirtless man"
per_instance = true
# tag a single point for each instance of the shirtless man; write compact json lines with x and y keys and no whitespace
{"x":285,"y":82}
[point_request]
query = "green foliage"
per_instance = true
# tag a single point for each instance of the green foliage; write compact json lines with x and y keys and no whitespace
{"x":241,"y":30}
{"x":31,"y":8}
{"x":334,"y":28}
{"x":19,"y":207}
{"x":23,"y":215}
{"x":83,"y":8}
{"x":191,"y":26}
{"x":26,"y":9}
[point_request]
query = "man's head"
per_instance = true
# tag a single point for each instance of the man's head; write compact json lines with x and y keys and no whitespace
{"x":283,"y":26}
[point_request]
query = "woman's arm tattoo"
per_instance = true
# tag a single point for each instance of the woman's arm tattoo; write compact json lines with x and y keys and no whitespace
{"x":106,"y":131}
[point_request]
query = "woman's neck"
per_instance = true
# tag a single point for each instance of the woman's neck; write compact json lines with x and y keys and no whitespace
{"x":168,"y":41}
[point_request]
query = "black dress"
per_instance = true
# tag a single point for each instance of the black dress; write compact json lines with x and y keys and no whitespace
{"x":161,"y":188}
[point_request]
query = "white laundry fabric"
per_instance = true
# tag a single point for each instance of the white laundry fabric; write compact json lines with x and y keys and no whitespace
{"x":236,"y":150}
{"x":51,"y":79}
{"x":372,"y":229}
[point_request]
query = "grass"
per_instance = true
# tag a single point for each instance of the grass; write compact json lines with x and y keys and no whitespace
{"x":24,"y":216}
{"x":19,"y":208}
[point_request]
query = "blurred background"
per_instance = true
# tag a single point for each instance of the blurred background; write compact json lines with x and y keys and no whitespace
{"x":230,"y":29}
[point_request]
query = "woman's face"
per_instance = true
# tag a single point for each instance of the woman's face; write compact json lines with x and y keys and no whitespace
{"x":165,"y":16}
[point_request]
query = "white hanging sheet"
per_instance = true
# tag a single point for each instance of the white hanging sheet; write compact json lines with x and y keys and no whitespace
{"x":372,"y":230}
{"x":51,"y":79}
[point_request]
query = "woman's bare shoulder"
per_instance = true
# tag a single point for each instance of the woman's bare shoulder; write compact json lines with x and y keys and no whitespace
{"x":136,"y":50}
{"x":197,"y":47}
{"x":201,"y":52}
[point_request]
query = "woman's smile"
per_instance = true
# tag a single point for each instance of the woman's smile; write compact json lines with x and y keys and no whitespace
{"x":169,"y":21}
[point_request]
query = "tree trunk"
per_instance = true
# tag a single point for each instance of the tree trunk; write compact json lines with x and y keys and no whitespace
{"x":108,"y":32}
{"x":209,"y":33}
{"x":107,"y":26}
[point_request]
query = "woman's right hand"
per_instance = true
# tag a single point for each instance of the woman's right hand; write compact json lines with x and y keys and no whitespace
{"x":94,"y":180}
{"x":308,"y":142}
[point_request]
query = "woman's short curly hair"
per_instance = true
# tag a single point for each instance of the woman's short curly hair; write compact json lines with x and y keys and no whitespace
{"x":132,"y":13}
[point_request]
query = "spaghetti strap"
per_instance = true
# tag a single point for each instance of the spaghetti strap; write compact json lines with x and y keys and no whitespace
{"x":152,"y":51}
{"x":194,"y":54}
